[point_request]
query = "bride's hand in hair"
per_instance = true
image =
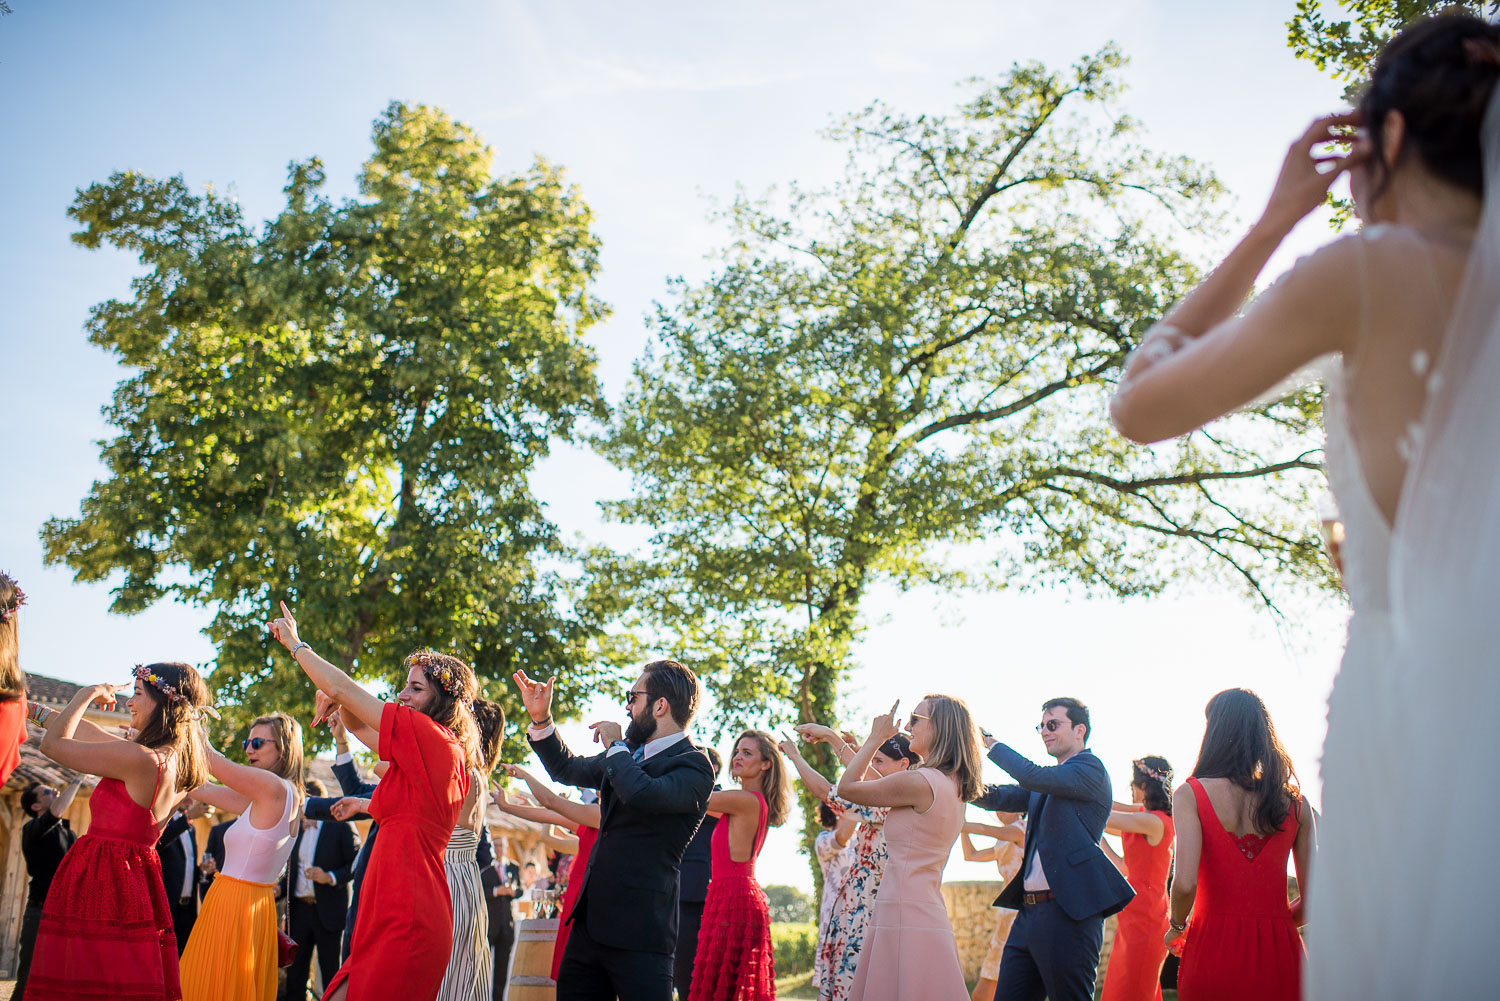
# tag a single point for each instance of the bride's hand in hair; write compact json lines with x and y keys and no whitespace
{"x":1310,"y":168}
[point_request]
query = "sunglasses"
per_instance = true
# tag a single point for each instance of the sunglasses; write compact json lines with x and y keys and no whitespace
{"x":631,"y":695}
{"x":1051,"y":726}
{"x":254,"y":743}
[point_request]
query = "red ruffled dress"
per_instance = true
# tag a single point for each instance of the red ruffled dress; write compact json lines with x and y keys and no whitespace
{"x":404,"y":929}
{"x":1241,"y":943}
{"x":106,"y":929}
{"x":12,"y":735}
{"x":1134,"y":972}
{"x":586,"y":838}
{"x":734,"y":960}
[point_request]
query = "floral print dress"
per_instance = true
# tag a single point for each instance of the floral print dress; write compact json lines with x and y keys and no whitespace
{"x":855,"y":903}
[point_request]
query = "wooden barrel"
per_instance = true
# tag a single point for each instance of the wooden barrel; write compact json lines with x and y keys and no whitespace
{"x":531,"y":965}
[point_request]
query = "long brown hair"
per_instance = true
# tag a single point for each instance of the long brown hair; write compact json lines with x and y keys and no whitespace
{"x":173,"y":723}
{"x":489,"y":721}
{"x":775,"y":783}
{"x":287,"y":733}
{"x":955,"y":744}
{"x":12,"y":681}
{"x":451,"y":708}
{"x":1240,"y":744}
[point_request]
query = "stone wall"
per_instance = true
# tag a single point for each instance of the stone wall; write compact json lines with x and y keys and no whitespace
{"x":971,"y":912}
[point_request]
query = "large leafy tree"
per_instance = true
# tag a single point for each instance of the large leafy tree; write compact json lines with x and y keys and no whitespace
{"x":915,"y":366}
{"x":1345,"y":44}
{"x":343,"y":407}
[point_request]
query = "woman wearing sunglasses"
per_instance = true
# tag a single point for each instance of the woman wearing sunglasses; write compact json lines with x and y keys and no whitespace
{"x":911,"y":951}
{"x":232,"y":952}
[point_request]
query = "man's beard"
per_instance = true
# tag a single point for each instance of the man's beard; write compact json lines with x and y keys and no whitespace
{"x":638,"y":733}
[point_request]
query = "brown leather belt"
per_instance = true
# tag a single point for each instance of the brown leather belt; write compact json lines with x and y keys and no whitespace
{"x":1041,"y":896}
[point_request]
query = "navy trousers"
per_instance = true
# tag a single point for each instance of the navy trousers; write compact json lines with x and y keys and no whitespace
{"x":1049,"y":955}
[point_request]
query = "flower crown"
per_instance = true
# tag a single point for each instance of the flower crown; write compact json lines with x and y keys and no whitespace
{"x":1161,"y":775}
{"x":6,"y":611}
{"x":446,"y":678}
{"x":171,"y":694}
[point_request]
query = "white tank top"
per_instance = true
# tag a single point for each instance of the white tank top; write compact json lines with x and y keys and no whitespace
{"x":258,"y":856}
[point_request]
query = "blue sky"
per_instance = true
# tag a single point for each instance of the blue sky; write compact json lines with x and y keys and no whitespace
{"x":655,"y":109}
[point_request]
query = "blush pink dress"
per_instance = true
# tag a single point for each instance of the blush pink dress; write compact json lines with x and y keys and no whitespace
{"x":910,"y":951}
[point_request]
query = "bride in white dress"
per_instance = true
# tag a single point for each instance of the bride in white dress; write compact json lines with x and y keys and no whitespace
{"x":1410,"y":308}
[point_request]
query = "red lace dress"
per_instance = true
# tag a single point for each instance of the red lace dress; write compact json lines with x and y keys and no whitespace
{"x":12,"y":735}
{"x":734,"y":960}
{"x":1134,"y":972}
{"x":404,"y":929}
{"x":1241,"y":943}
{"x":586,"y":838}
{"x":106,"y":929}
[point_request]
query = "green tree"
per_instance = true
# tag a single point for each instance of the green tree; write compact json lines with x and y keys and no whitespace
{"x":1346,"y":48}
{"x":789,"y":903}
{"x":914,"y":367}
{"x":343,"y":407}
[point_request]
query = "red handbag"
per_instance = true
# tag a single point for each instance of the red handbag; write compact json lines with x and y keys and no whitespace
{"x":286,"y":947}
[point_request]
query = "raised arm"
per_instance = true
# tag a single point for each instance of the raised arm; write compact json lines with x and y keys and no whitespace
{"x":64,"y":799}
{"x":118,"y":759}
{"x":1135,"y":822}
{"x":815,"y":781}
{"x":572,"y":814}
{"x":683,"y":788}
{"x":562,"y":764}
{"x":502,"y":802}
{"x":336,"y":683}
{"x":1080,"y":777}
{"x":263,"y":791}
{"x":972,"y":854}
{"x":1003,"y":799}
{"x":899,"y":789}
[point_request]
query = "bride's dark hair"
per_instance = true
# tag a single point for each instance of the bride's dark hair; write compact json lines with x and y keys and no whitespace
{"x":1439,"y":73}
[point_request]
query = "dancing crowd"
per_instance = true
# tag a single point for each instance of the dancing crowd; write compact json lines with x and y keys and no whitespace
{"x":662,"y":896}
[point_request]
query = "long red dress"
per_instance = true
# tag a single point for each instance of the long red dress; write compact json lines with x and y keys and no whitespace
{"x":12,"y":735}
{"x":106,"y":928}
{"x":734,"y":961}
{"x":404,"y":929}
{"x":1241,"y":944}
{"x":586,"y":838}
{"x":1134,"y":972}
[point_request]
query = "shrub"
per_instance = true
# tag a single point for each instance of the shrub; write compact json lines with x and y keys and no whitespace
{"x":793,"y":943}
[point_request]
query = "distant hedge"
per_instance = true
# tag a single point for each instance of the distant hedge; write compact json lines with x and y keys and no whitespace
{"x":794,"y":944}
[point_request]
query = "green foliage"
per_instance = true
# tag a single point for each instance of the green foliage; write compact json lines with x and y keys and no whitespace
{"x":1346,"y":49}
{"x":789,"y":903}
{"x":918,"y":363}
{"x":343,"y":407}
{"x":795,"y":946}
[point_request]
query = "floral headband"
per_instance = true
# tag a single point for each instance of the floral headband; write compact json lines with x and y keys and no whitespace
{"x":7,"y":611}
{"x":447,"y":679}
{"x":171,"y":693}
{"x":1162,"y":776}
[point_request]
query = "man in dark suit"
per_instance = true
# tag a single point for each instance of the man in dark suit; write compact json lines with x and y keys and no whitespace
{"x":1066,"y":886}
{"x":696,"y":870}
{"x":502,"y":884}
{"x":653,"y":790}
{"x":45,"y":839}
{"x":316,"y":888}
{"x":178,"y":850}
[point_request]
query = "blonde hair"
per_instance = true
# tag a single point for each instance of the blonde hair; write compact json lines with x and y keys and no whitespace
{"x":954,"y":749}
{"x":775,"y":783}
{"x":12,"y":681}
{"x":287,"y":733}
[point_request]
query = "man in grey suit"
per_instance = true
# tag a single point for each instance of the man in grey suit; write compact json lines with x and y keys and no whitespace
{"x":1066,"y":886}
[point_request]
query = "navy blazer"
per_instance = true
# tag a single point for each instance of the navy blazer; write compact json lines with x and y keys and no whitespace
{"x":648,"y":811}
{"x":1066,"y":808}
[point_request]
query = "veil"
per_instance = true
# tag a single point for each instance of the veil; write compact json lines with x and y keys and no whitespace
{"x":1445,"y":582}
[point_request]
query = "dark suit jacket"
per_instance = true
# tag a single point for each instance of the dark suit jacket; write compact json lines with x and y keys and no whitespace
{"x":648,"y":812}
{"x":334,"y":853}
{"x":1066,"y":807}
{"x":697,"y":866}
{"x":175,"y":862}
{"x":214,"y":849}
{"x":502,"y":918}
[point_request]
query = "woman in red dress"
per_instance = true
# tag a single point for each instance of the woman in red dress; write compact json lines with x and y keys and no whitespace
{"x":581,"y":818}
{"x":12,"y":681}
{"x":1145,"y":829}
{"x":734,"y":961}
{"x":404,"y":929}
{"x":106,"y":929}
{"x":1238,"y":818}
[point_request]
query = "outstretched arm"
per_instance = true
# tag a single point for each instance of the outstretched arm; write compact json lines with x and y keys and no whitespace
{"x":972,"y":854}
{"x":571,"y":814}
{"x":684,"y":788}
{"x":119,"y":759}
{"x":1003,"y":799}
{"x":816,"y":783}
{"x":1080,"y":777}
{"x":502,"y":802}
{"x":340,"y":686}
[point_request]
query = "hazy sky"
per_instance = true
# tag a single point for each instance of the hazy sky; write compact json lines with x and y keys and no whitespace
{"x":655,"y":109}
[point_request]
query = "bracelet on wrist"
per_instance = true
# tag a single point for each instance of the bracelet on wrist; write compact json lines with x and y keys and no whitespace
{"x":542,"y":723}
{"x":1175,"y":926}
{"x":299,"y":646}
{"x":38,"y":714}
